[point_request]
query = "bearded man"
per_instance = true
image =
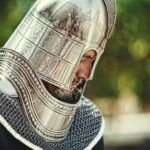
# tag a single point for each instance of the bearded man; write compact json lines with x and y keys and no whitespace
{"x":44,"y":68}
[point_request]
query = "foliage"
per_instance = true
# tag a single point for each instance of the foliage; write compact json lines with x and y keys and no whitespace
{"x":125,"y":65}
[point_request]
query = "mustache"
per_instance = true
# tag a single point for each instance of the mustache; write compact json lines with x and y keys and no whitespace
{"x":73,"y":95}
{"x":78,"y":81}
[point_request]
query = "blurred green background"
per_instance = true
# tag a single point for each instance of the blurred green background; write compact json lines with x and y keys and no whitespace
{"x":125,"y":65}
{"x":121,"y":85}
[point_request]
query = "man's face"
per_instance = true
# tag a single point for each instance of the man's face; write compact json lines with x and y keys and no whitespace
{"x":84,"y":68}
{"x":81,"y":76}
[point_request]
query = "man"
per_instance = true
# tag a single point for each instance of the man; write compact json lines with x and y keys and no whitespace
{"x":44,"y":68}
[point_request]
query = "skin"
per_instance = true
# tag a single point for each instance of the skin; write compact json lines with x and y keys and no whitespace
{"x":84,"y":68}
{"x":82,"y":73}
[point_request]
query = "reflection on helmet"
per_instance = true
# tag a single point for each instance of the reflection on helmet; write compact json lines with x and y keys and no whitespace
{"x":55,"y":34}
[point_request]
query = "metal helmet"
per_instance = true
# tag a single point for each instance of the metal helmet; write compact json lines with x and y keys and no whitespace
{"x":55,"y":34}
{"x":49,"y":44}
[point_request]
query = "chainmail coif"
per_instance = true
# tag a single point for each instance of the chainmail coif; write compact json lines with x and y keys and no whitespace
{"x":85,"y":127}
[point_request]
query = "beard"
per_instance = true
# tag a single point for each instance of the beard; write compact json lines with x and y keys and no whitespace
{"x":69,"y":96}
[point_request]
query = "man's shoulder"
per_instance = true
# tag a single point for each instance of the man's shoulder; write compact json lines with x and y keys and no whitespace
{"x":85,"y":132}
{"x":89,"y":119}
{"x":89,"y":111}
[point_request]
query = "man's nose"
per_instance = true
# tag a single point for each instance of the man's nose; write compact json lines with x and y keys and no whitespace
{"x":83,"y":71}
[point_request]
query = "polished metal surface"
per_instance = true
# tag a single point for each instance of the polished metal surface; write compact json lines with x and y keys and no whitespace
{"x":88,"y":119}
{"x":49,"y":44}
{"x":55,"y":34}
{"x":49,"y":117}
